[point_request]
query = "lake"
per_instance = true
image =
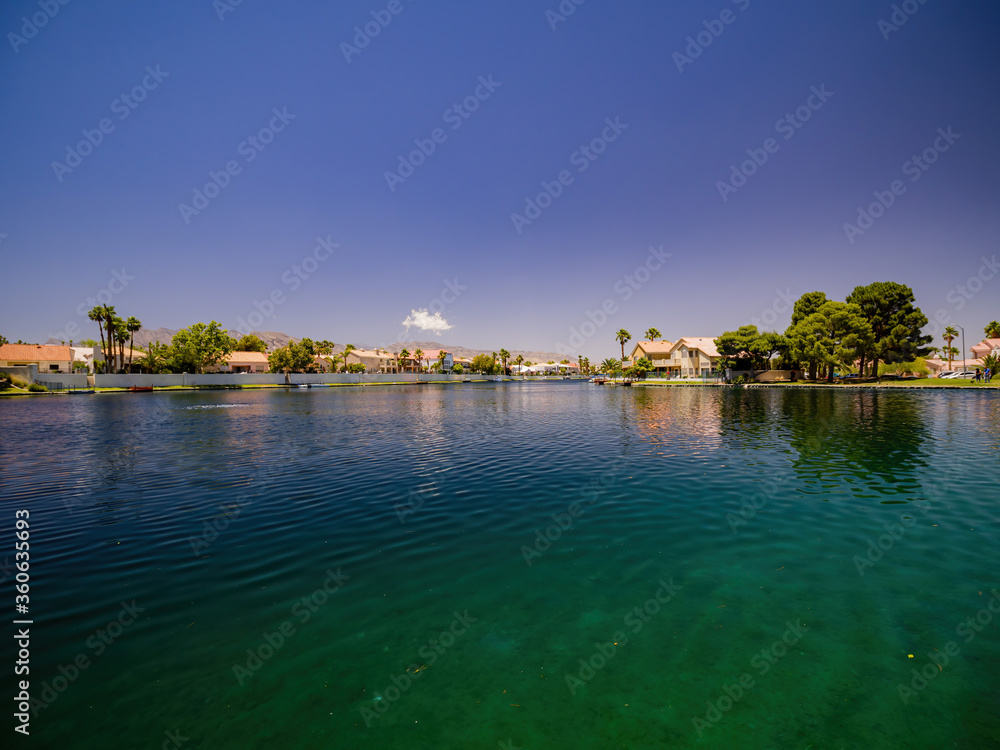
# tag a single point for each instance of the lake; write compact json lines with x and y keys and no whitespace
{"x":518,"y":565}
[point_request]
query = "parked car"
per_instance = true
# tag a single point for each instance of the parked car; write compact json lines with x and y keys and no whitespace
{"x":961,"y":374}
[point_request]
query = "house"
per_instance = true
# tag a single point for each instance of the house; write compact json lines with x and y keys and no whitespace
{"x":464,"y":362}
{"x":688,"y":357}
{"x":97,"y":356}
{"x":47,"y":358}
{"x":431,"y":356}
{"x":985,"y":348}
{"x":937,"y":366}
{"x":374,"y":360}
{"x":245,"y":362}
{"x":657,"y":352}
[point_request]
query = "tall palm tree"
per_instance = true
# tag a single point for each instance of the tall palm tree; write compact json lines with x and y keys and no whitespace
{"x":96,"y":314}
{"x":404,"y":354}
{"x":622,"y":336}
{"x":504,"y":356}
{"x":610,"y":366}
{"x":519,"y":361}
{"x":418,"y":354}
{"x":992,"y":330}
{"x":108,"y":315}
{"x":121,"y":335}
{"x":133,"y":324}
{"x":949,"y":335}
{"x":653,"y":334}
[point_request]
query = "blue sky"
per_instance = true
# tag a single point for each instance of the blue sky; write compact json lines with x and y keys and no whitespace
{"x":442,"y":238}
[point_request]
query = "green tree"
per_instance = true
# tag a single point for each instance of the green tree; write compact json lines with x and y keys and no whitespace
{"x":990,"y":361}
{"x":653,"y":334}
{"x":457,"y":369}
{"x":621,"y":337}
{"x":835,"y":335}
{"x":504,"y":356}
{"x":611,"y":366}
{"x":895,"y":324}
{"x":418,"y":354}
{"x":199,"y":346}
{"x":250,"y":343}
{"x":992,"y":330}
{"x":739,"y":345}
{"x":519,"y":361}
{"x":155,"y":359}
{"x":403,"y":355}
{"x":121,"y":334}
{"x":641,"y":367}
{"x":295,"y":356}
{"x":3,"y":340}
{"x":442,"y":356}
{"x":484,"y":364}
{"x":805,"y":306}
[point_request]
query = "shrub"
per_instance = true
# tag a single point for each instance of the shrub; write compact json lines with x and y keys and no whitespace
{"x":37,"y":388}
{"x":4,"y":383}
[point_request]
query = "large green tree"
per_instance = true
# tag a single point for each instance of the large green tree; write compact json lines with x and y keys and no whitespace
{"x":834,"y":335}
{"x":895,"y":322}
{"x":250,"y":343}
{"x":199,"y":346}
{"x":653,"y":334}
{"x":752,"y":346}
{"x":133,"y":324}
{"x":484,"y":363}
{"x":992,"y":330}
{"x":295,"y":356}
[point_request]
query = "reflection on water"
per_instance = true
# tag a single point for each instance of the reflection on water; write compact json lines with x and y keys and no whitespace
{"x":217,"y":512}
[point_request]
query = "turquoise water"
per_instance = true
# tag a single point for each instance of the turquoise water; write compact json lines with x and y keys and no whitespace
{"x":703,"y":526}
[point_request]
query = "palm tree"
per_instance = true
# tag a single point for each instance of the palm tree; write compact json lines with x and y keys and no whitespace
{"x":442,"y":355}
{"x":949,"y":335}
{"x":622,"y":336}
{"x":347,"y":350}
{"x":504,"y":356}
{"x":404,"y":354}
{"x":108,"y":316}
{"x":121,"y":334}
{"x":96,"y":314}
{"x":653,"y":334}
{"x":418,"y":354}
{"x":133,"y":324}
{"x":519,"y":361}
{"x":610,"y":366}
{"x":992,"y":330}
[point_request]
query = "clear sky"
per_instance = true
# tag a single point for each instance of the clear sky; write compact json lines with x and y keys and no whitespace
{"x":317,"y":123}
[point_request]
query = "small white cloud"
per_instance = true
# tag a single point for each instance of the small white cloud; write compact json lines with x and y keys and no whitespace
{"x":424,"y":320}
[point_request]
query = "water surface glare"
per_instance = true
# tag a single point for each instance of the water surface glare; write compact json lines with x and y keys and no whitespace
{"x":520,"y":565}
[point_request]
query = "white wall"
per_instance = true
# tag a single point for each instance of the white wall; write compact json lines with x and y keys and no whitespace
{"x":127,"y":381}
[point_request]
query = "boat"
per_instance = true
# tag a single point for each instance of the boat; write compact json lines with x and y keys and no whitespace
{"x":74,"y":391}
{"x":598,"y":380}
{"x":137,"y":388}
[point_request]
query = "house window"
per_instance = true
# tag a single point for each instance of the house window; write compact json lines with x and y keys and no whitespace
{"x":53,"y":368}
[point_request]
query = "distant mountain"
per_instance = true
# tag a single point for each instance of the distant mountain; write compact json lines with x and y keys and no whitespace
{"x":276,"y":340}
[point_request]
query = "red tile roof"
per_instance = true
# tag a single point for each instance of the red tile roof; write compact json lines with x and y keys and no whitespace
{"x":245,"y":358}
{"x":34,"y":353}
